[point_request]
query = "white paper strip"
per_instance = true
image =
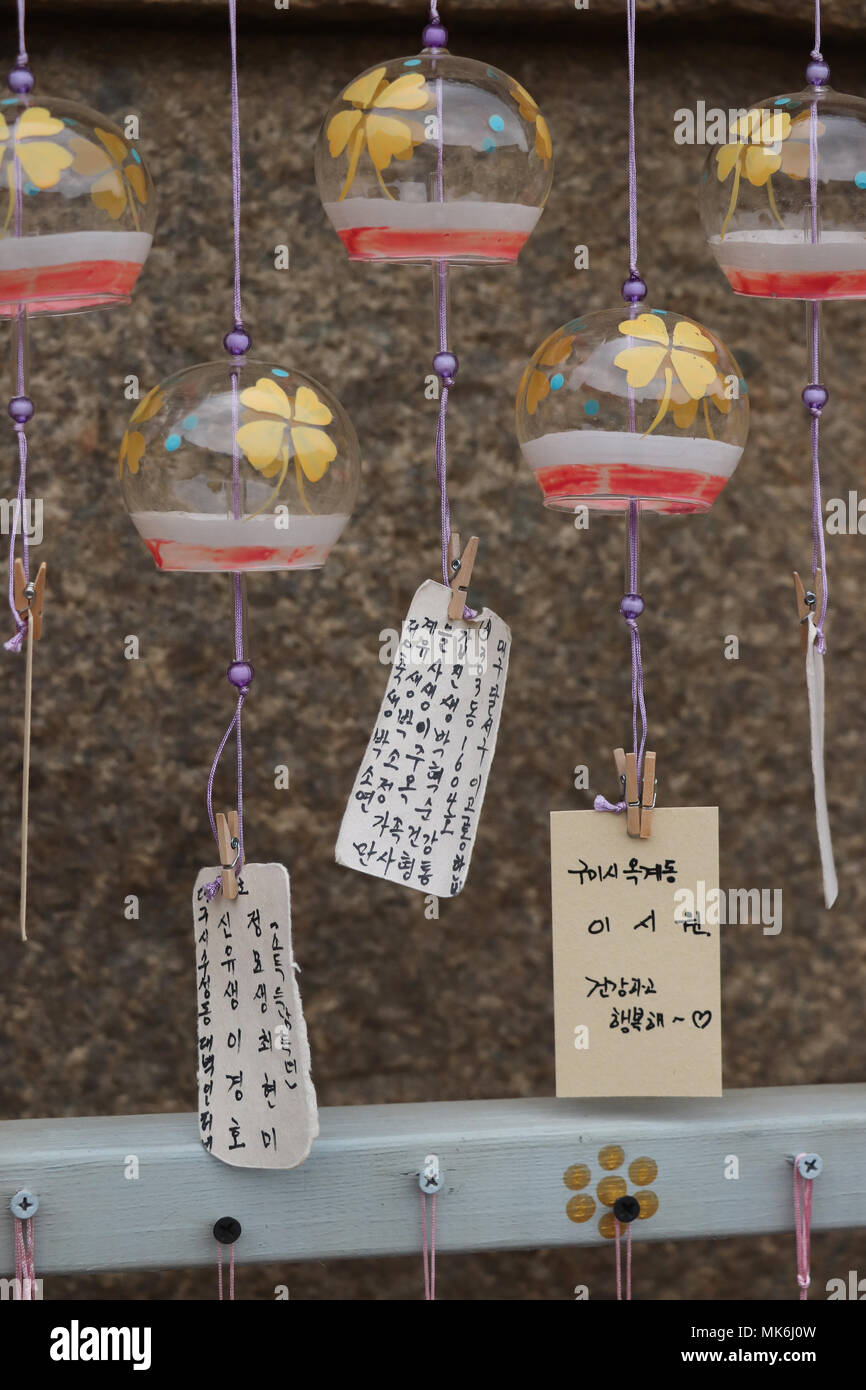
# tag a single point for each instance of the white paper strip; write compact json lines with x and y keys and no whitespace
{"x":815,"y":689}
{"x":414,"y":809}
{"x":257,"y":1103}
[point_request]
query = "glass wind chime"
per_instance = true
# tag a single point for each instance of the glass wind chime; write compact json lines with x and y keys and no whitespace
{"x":76,"y":225}
{"x":438,"y":160}
{"x":781,"y":208}
{"x":630,"y":411}
{"x":241,"y":465}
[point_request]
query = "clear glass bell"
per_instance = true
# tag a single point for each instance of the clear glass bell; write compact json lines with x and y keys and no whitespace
{"x":615,"y":407}
{"x":239,"y":466}
{"x":783,"y":202}
{"x":77,"y":208}
{"x":434,"y":158}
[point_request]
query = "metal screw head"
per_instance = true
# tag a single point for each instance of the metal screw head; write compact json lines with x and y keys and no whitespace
{"x":430,"y":1178}
{"x":811,"y":598}
{"x":24,"y":1204}
{"x":810,"y":1165}
{"x":227,"y":1230}
{"x":30,"y":591}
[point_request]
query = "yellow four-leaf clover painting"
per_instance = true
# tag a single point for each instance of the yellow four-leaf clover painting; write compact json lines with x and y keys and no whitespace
{"x":366,"y":126}
{"x":767,"y":142}
{"x":686,"y":361}
{"x":30,"y":146}
{"x":298,"y":420}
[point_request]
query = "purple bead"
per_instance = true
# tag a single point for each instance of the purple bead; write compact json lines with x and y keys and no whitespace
{"x":21,"y":409}
{"x":815,"y":397}
{"x":240,"y":674}
{"x":21,"y":81}
{"x":445,"y":365}
{"x":435,"y":36}
{"x":238,"y":341}
{"x":818,"y":73}
{"x":634,"y":289}
{"x":631,"y":606}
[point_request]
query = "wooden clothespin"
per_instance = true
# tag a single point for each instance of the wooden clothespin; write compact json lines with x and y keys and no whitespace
{"x":639,"y":806}
{"x":228,"y":835}
{"x":29,"y":598}
{"x":460,"y":582}
{"x":809,"y":604}
{"x":648,"y":795}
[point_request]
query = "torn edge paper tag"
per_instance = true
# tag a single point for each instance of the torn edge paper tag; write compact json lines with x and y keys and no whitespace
{"x":257,"y":1102}
{"x":414,"y":809}
{"x":636,"y":958}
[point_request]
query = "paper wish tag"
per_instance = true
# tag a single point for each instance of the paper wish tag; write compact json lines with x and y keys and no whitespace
{"x":636,"y":962}
{"x":257,"y":1103}
{"x":414,"y":809}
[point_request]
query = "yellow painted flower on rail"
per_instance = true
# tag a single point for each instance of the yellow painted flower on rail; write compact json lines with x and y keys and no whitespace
{"x":755,"y":155}
{"x":132,"y":443}
{"x":688,"y":358}
{"x":286,"y":423}
{"x":528,"y":108}
{"x":385,"y":137}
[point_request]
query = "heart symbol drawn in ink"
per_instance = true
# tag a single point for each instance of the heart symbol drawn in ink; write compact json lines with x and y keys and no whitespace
{"x":701,"y":1019}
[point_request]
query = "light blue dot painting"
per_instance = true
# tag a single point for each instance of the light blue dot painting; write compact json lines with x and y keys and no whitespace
{"x":412,"y":63}
{"x":190,"y":422}
{"x":557,"y":381}
{"x":488,"y":144}
{"x":590,"y":408}
{"x":172,"y":443}
{"x":860,"y":178}
{"x":496,"y":123}
{"x":278,"y":371}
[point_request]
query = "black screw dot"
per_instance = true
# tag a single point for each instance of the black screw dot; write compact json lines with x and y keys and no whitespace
{"x":227,"y":1230}
{"x":626,"y":1209}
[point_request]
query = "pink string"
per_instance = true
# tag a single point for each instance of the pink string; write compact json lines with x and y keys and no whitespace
{"x":220,"y":1272}
{"x":618,"y":1229}
{"x":25,"y":1269}
{"x":429,"y":1256}
{"x":803,"y":1227}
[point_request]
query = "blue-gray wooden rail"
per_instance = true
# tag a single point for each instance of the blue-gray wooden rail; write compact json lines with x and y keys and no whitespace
{"x":502,"y":1161}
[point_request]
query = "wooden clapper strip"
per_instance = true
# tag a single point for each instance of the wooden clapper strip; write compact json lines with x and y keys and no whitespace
{"x":29,"y":600}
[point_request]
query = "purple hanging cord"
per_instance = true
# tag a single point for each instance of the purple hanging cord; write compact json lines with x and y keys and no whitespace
{"x":237,"y":343}
{"x":20,"y":407}
{"x":445,"y":363}
{"x":633,"y":291}
{"x":815,"y":395}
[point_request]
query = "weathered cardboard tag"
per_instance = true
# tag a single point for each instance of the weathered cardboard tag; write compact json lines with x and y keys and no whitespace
{"x":636,"y":963}
{"x":257,"y":1103}
{"x":414,"y":809}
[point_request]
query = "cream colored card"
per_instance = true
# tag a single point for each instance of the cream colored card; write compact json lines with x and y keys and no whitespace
{"x":414,"y":809}
{"x":257,"y":1103}
{"x":636,"y":963}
